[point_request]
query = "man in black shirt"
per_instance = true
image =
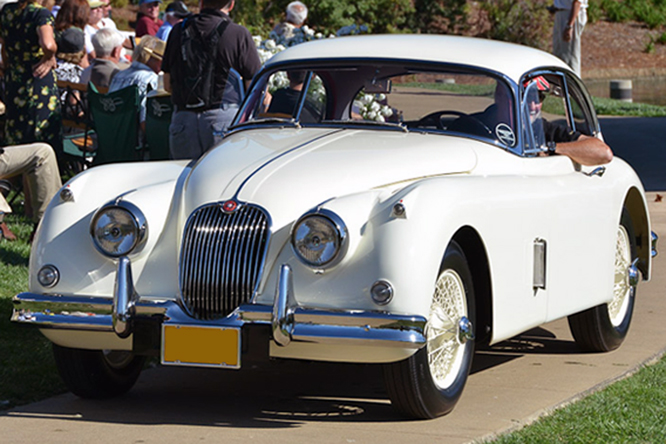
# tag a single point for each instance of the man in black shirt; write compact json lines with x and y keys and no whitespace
{"x":196,"y":126}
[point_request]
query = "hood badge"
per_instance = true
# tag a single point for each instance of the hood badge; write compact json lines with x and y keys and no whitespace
{"x":229,"y":206}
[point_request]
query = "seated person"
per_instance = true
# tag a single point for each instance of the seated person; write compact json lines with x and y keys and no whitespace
{"x":582,"y":149}
{"x":285,"y":100}
{"x":108,"y":45}
{"x":37,"y":162}
{"x":143,"y":72}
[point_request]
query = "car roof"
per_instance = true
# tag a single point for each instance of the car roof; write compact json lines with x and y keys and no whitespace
{"x":508,"y":59}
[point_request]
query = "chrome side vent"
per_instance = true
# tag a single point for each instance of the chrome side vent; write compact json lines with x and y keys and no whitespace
{"x":221,"y":258}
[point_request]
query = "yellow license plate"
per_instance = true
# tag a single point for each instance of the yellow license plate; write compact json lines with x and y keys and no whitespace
{"x":201,"y":346}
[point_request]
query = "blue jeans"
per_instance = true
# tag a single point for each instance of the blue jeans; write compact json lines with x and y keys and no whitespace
{"x":191,"y":134}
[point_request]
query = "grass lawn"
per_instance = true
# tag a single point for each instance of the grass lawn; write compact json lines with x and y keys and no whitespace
{"x":27,"y":370}
{"x":630,"y":411}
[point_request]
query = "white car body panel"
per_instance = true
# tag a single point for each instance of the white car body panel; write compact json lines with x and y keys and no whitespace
{"x":447,"y":184}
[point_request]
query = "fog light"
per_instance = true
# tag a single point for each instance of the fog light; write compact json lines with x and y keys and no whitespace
{"x":48,"y":276}
{"x":382,"y":292}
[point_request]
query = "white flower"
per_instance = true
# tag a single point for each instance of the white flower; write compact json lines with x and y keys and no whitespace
{"x":366,"y":99}
{"x":374,"y":106}
{"x":386,"y":111}
{"x":269,"y":44}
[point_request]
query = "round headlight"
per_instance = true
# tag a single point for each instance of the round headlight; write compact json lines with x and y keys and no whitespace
{"x":318,"y":239}
{"x":117,"y":229}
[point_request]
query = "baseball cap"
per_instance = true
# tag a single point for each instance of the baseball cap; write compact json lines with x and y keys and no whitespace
{"x":178,"y":9}
{"x":95,"y":4}
{"x":541,"y":82}
{"x":70,"y":41}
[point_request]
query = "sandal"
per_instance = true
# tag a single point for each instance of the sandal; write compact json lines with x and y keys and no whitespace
{"x":6,"y":232}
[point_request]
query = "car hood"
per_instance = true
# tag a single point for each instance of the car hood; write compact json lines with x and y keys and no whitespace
{"x":291,"y":170}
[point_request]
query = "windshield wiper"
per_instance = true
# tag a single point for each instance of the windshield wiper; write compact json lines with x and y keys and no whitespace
{"x":389,"y":125}
{"x":290,"y":122}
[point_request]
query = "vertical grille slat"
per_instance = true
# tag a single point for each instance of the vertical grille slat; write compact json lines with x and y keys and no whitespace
{"x":221,"y":259}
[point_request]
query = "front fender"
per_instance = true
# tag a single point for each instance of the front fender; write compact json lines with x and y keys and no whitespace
{"x":65,"y":226}
{"x":403,"y":249}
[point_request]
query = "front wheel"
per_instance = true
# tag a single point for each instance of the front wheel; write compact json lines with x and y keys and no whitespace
{"x":429,"y":383}
{"x":604,"y":327}
{"x":97,"y":373}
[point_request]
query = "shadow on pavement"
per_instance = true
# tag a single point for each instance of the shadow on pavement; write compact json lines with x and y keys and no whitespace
{"x":279,"y":394}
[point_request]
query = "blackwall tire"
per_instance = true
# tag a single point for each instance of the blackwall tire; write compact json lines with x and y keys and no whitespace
{"x":429,"y":383}
{"x":97,"y":374}
{"x":604,"y":327}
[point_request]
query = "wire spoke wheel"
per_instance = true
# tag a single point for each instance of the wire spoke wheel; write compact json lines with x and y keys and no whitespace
{"x":445,"y":349}
{"x":429,"y":383}
{"x":603,"y":327}
{"x":622,"y":289}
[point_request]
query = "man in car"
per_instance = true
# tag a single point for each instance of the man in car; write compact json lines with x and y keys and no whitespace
{"x":583,"y":149}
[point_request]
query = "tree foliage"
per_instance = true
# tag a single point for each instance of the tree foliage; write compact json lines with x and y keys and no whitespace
{"x":327,"y":16}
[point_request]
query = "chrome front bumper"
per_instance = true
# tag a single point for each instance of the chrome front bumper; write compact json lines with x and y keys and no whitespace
{"x":288,"y":320}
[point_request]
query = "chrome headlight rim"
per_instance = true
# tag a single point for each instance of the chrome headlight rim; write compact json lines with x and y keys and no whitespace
{"x":137,"y":217}
{"x":341,"y":232}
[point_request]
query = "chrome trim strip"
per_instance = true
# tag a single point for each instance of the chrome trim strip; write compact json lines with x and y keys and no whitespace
{"x":655,"y":239}
{"x":315,"y":326}
{"x":76,"y":312}
{"x":124,"y":298}
{"x":282,"y":320}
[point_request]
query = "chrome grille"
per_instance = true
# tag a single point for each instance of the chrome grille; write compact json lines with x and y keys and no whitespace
{"x":221,"y":259}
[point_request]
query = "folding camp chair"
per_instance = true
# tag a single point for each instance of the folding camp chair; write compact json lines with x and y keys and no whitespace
{"x":116,"y":119}
{"x":78,"y":144}
{"x":158,"y":118}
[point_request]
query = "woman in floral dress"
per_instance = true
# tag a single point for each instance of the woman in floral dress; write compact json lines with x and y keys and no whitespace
{"x":28,"y":55}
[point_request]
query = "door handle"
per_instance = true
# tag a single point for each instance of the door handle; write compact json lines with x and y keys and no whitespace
{"x":599,"y":171}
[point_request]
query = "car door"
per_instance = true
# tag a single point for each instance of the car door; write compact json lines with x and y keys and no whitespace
{"x":578,"y":245}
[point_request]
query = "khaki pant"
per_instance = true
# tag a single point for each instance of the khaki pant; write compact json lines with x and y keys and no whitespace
{"x":569,"y":51}
{"x":37,"y":162}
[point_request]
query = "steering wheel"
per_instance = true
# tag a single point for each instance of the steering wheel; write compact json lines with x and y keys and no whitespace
{"x":465,"y":123}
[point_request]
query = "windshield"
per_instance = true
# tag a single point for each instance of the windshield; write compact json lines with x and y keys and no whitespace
{"x":392,"y":95}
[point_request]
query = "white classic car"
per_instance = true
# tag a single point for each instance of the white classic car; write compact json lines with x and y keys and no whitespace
{"x":379,"y":199}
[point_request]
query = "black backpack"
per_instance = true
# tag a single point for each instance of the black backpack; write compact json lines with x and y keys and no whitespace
{"x":198,"y":54}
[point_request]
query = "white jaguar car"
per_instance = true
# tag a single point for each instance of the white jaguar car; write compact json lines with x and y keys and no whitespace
{"x":379,"y":199}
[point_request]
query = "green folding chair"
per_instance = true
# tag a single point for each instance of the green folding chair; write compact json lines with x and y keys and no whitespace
{"x":116,"y":119}
{"x":78,"y":136}
{"x":158,"y":118}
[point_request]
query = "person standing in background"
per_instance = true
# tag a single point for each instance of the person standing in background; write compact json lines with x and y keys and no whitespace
{"x":204,"y":110}
{"x":570,"y":20}
{"x":28,"y":63}
{"x":147,"y":21}
{"x":296,"y":14}
{"x":175,"y":13}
